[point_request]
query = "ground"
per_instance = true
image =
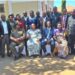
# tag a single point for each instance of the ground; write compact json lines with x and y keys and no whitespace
{"x":37,"y":66}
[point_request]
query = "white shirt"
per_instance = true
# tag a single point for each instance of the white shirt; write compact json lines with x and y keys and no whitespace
{"x":25,"y":18}
{"x":4,"y":24}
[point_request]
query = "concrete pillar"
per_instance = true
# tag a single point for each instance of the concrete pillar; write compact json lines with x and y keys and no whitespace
{"x":10,"y":6}
{"x":6,"y":8}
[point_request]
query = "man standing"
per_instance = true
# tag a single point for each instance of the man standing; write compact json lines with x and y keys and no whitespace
{"x":64,"y":18}
{"x":25,"y":19}
{"x":55,"y":17}
{"x":38,"y":19}
{"x":71,"y":31}
{"x":6,"y":35}
{"x":32,"y":18}
{"x":1,"y":32}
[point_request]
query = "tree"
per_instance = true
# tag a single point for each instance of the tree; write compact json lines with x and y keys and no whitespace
{"x":63,"y":6}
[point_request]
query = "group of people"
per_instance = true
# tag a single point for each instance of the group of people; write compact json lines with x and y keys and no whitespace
{"x":52,"y":33}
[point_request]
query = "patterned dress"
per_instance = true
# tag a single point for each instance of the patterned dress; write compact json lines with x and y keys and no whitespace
{"x":61,"y":43}
{"x":32,"y":43}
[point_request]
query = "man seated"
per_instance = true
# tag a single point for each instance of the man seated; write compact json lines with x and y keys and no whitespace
{"x":17,"y":37}
{"x":48,"y":34}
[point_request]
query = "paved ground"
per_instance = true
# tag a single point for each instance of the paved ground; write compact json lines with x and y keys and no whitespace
{"x":38,"y":66}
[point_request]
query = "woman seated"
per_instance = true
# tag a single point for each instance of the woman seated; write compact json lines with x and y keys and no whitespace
{"x":17,"y":37}
{"x":61,"y":42}
{"x":48,"y":40}
{"x":33,"y":43}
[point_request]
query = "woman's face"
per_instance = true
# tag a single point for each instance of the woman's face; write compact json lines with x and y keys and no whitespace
{"x":33,"y":26}
{"x":59,"y":26}
{"x":48,"y":24}
{"x":18,"y":17}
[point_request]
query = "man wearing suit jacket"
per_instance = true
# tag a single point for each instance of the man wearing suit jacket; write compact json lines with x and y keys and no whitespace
{"x":25,"y":19}
{"x":64,"y":18}
{"x":6,"y":35}
{"x":1,"y":32}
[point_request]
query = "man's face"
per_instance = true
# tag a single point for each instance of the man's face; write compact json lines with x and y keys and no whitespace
{"x":38,"y":13}
{"x":44,"y":14}
{"x":73,"y":13}
{"x":64,"y":11}
{"x":48,"y":24}
{"x":55,"y":10}
{"x":3,"y":17}
{"x":11,"y":18}
{"x":31,"y":14}
{"x":25,"y":14}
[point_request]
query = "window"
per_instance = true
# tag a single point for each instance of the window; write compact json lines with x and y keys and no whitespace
{"x":1,"y":8}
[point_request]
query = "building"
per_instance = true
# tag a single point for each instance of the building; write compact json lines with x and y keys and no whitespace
{"x":20,"y":6}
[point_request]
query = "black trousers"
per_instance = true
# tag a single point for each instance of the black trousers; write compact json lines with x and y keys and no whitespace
{"x":71,"y":42}
{"x":26,"y":47}
{"x":0,"y":45}
{"x":44,"y":49}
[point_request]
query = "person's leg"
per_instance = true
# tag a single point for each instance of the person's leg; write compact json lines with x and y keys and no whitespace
{"x":3,"y":47}
{"x":8,"y":43}
{"x":48,"y":49}
{"x":26,"y":47}
{"x":0,"y":45}
{"x":14,"y":50}
{"x":42,"y":48}
{"x":52,"y":43}
{"x":71,"y":43}
{"x":20,"y":50}
{"x":42,"y":43}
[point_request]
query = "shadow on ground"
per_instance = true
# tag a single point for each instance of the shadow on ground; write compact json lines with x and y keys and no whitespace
{"x":37,"y":66}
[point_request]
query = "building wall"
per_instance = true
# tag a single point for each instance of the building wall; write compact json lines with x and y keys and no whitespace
{"x":20,"y":7}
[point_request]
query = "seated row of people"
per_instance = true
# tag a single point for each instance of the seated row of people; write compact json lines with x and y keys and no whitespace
{"x":38,"y":39}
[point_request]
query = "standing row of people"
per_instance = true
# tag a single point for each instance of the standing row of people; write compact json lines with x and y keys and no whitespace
{"x":52,"y":29}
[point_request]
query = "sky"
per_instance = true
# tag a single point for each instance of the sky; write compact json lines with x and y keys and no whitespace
{"x":56,"y":3}
{"x":68,"y":2}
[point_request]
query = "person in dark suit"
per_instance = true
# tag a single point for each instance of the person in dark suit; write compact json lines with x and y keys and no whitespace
{"x":71,"y":32}
{"x":6,"y":35}
{"x":47,"y":39}
{"x":55,"y":17}
{"x":64,"y":18}
{"x":37,"y":19}
{"x":25,"y":19}
{"x":1,"y":36}
{"x":32,"y":18}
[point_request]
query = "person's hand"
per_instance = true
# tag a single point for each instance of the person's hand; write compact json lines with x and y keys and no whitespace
{"x":48,"y":41}
{"x":20,"y":39}
{"x":16,"y":40}
{"x":37,"y":41}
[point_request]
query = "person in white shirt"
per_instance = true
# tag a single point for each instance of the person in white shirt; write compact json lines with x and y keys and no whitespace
{"x":6,"y":35}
